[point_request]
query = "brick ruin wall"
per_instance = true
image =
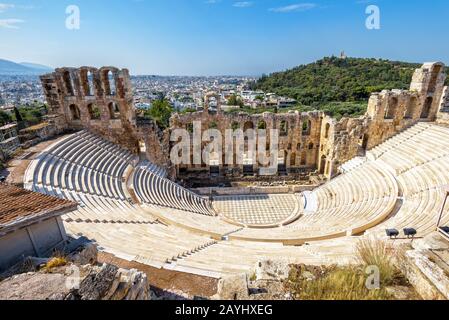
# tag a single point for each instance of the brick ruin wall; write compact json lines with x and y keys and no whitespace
{"x":101,"y":101}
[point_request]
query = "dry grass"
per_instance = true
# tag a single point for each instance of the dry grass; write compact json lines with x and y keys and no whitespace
{"x":374,"y":252}
{"x":338,"y":284}
{"x":350,"y":283}
{"x":55,"y":262}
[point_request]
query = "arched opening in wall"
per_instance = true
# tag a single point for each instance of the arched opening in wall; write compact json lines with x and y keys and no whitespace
{"x":246,"y":129}
{"x":365,"y":140}
{"x":411,"y":108}
{"x":235,"y":126}
{"x":90,"y":83}
{"x":328,"y":168}
{"x":434,"y":78}
{"x":112,"y":85}
{"x":426,"y":108}
{"x":326,"y":133}
{"x":311,"y":146}
{"x":74,"y":112}
{"x":262,"y":125}
{"x":282,"y":164}
{"x":94,"y":111}
{"x":114,"y":111}
{"x":293,"y":159}
{"x":298,"y":147}
{"x":189,"y":128}
{"x":391,"y":108}
{"x":323,"y":164}
{"x":213,"y":125}
{"x":306,"y":126}
{"x":283,"y":128}
{"x":303,"y":159}
{"x":68,"y":83}
{"x":248,"y":125}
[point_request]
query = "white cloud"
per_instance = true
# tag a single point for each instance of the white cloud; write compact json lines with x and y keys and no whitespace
{"x":243,"y":4}
{"x":10,"y":23}
{"x":5,"y":6}
{"x":212,"y":1}
{"x":294,"y":7}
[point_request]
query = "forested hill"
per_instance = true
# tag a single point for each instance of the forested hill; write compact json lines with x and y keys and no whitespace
{"x":338,"y":80}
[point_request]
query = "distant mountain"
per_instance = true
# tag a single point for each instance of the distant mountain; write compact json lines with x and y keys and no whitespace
{"x":10,"y":68}
{"x":36,"y":66}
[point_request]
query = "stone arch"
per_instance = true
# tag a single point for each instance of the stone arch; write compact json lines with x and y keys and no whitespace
{"x":323,"y":164}
{"x":114,"y":110}
{"x":94,"y":111}
{"x":213,"y":125}
{"x":87,"y":82}
{"x":75,"y":113}
{"x":411,"y":108}
{"x":303,"y":158}
{"x":68,"y":82}
{"x":248,"y":125}
{"x":293,"y":159}
{"x":306,"y":127}
{"x":392,"y":106}
{"x":426,"y":108}
{"x":434,"y":77}
{"x":326,"y":132}
{"x":235,"y":125}
{"x":262,"y":125}
{"x":283,"y":128}
{"x":108,"y":81}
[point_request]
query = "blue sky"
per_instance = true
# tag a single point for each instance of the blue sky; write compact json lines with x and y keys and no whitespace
{"x":219,"y":37}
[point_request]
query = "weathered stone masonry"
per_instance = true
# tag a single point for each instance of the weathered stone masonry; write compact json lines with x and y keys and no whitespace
{"x":101,"y":100}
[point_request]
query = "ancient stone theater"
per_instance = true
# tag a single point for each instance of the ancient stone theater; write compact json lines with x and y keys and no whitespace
{"x":337,"y":181}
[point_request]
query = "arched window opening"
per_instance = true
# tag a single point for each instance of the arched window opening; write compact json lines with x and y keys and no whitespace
{"x":426,"y":108}
{"x":75,"y":112}
{"x":235,"y":126}
{"x":262,"y":125}
{"x":90,"y":83}
{"x":323,"y":165}
{"x":326,"y":134}
{"x":284,"y":128}
{"x":114,"y":111}
{"x":303,"y":159}
{"x":68,"y":83}
{"x":94,"y":111}
{"x":311,"y":146}
{"x":411,"y":108}
{"x":391,"y":108}
{"x":306,"y":125}
{"x":112,"y":86}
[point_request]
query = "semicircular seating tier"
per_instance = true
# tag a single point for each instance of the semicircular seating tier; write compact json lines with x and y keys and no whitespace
{"x":419,"y":159}
{"x":152,"y":188}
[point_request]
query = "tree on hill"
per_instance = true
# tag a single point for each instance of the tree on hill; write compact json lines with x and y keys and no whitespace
{"x":333,"y":79}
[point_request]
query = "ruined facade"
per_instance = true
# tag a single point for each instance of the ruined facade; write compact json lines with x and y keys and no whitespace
{"x":101,"y":100}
